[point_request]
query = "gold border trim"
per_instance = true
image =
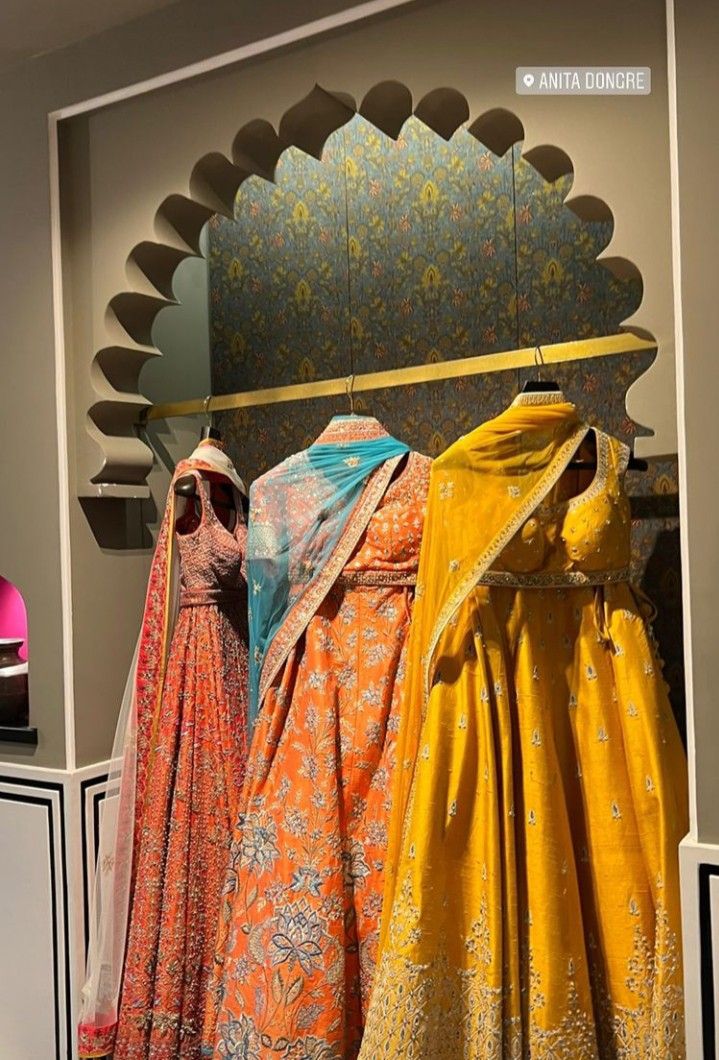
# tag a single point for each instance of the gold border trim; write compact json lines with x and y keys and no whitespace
{"x":598,"y":484}
{"x":622,"y":457}
{"x":553,"y":579}
{"x":376,"y":579}
{"x":541,"y":397}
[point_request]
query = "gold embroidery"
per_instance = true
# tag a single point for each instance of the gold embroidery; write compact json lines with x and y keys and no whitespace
{"x":654,"y":1026}
{"x":553,"y":579}
{"x":542,"y":397}
{"x":345,"y":429}
{"x":595,"y":487}
{"x":437,"y":1010}
{"x":358,"y":579}
{"x":430,"y":990}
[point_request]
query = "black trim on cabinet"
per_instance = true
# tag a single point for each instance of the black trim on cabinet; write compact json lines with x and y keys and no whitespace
{"x":62,"y":1005}
{"x":97,"y":797}
{"x":707,"y":961}
{"x":69,"y":1024}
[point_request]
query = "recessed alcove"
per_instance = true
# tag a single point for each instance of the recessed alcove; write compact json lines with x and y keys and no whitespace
{"x":14,"y":667}
{"x":395,"y":263}
{"x":13,"y":616}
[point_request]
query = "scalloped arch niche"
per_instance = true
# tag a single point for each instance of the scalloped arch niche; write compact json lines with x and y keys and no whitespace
{"x":121,"y":460}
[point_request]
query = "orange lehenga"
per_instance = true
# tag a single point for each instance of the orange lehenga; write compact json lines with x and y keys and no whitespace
{"x":161,"y":873}
{"x":300,"y":921}
{"x":532,"y":898}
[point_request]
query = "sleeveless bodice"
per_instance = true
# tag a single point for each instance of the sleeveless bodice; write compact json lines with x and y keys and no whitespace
{"x":392,"y":540}
{"x":584,"y":534}
{"x":211,"y":556}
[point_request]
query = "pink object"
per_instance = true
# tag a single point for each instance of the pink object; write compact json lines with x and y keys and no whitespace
{"x":13,"y":614}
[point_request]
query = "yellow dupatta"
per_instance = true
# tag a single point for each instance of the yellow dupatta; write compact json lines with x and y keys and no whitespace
{"x":481,"y":491}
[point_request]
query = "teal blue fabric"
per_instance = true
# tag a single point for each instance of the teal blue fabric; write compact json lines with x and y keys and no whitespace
{"x":298,"y":512}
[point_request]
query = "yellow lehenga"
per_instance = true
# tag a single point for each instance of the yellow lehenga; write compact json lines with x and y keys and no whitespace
{"x":532,"y":895}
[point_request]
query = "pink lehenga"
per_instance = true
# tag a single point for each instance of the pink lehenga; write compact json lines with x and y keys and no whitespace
{"x":183,"y":767}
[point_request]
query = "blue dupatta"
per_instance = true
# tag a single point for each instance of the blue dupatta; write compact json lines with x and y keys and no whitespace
{"x":304,"y":513}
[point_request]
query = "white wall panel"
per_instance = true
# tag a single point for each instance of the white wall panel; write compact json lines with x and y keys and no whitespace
{"x":49,"y":822}
{"x":34,"y":957}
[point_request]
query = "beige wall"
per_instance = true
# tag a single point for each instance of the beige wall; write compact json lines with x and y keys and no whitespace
{"x":126,"y":158}
{"x":29,"y":527}
{"x":697,"y":47}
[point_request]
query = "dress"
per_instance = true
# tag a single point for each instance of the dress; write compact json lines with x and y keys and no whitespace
{"x":300,"y":924}
{"x":190,"y":800}
{"x":534,"y":909}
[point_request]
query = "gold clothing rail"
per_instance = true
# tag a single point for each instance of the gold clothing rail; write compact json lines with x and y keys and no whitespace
{"x":578,"y":350}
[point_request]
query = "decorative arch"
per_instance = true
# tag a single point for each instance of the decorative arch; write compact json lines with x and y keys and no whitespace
{"x":123,"y":459}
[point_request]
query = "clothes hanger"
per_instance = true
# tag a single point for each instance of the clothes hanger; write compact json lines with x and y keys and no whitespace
{"x":539,"y":385}
{"x":550,"y":386}
{"x":186,"y":485}
{"x":350,"y":385}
